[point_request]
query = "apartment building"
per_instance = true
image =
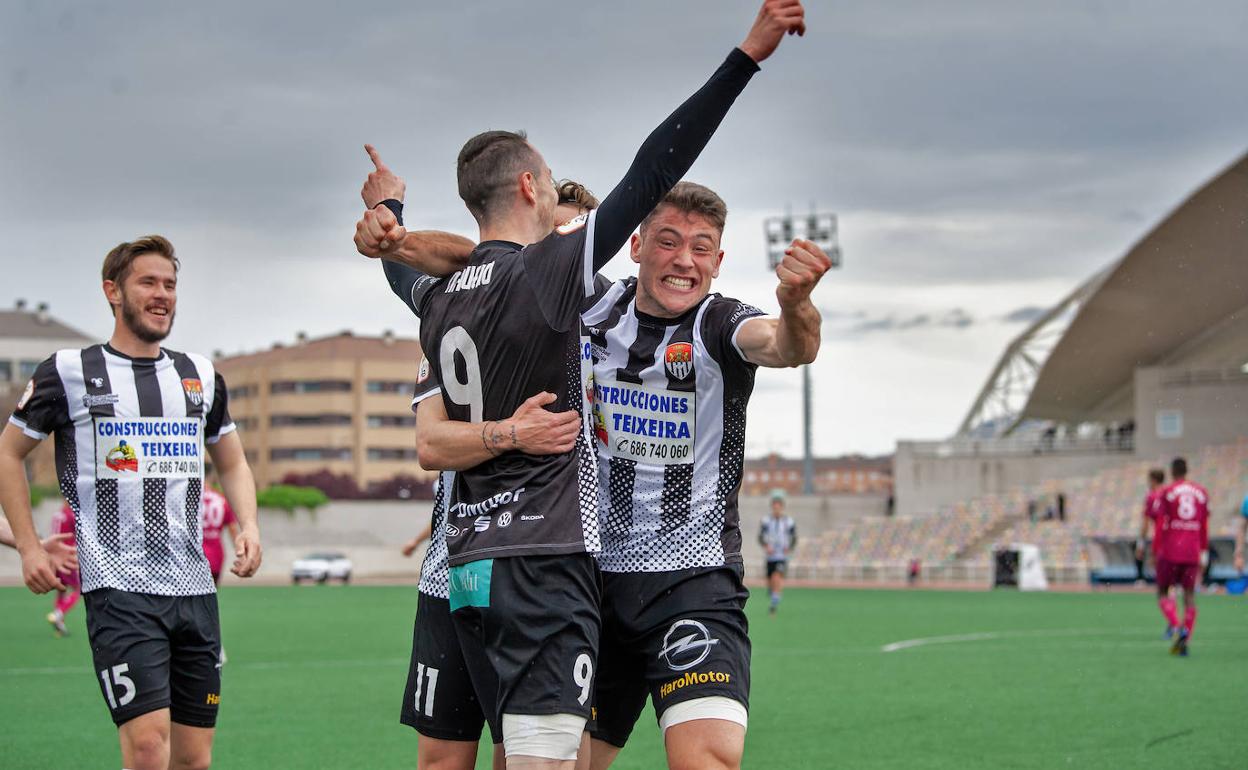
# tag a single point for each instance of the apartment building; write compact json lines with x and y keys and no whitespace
{"x":338,"y":403}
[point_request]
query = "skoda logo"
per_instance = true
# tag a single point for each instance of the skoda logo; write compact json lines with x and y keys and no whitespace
{"x":686,"y":644}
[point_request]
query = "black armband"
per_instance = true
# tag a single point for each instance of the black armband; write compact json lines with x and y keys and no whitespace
{"x":395,"y":206}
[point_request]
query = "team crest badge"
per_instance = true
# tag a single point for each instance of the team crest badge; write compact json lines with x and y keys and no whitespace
{"x":679,"y":359}
{"x":194,"y":391}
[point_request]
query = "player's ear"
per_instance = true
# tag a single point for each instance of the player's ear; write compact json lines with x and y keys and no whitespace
{"x":112,"y":292}
{"x":634,"y":248}
{"x":719,"y":260}
{"x":528,"y":187}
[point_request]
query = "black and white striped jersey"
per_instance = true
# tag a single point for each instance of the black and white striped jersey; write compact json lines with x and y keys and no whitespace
{"x":435,"y":570}
{"x":669,"y":400}
{"x":130,"y":436}
{"x":495,"y":333}
{"x":778,"y":536}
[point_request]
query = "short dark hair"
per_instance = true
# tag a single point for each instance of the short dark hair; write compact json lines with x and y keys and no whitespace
{"x":487,"y":165}
{"x":576,"y":194}
{"x":693,"y":198}
{"x":118,"y":262}
{"x":1157,"y":474}
{"x":1178,"y":468}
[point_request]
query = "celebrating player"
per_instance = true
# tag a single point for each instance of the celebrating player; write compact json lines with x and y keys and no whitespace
{"x":131,"y":421}
{"x":778,"y":535}
{"x":530,"y":638}
{"x":439,"y":702}
{"x":67,"y":597}
{"x":1184,"y":547}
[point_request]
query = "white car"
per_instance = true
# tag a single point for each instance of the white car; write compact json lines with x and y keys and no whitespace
{"x":321,"y":567}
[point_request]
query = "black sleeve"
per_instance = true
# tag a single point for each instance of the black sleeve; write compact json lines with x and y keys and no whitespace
{"x":408,"y":284}
{"x":793,"y":535}
{"x":43,"y":407}
{"x":667,"y":155}
{"x":762,"y":530}
{"x":219,"y":421}
{"x":722,"y":321}
{"x":427,"y":383}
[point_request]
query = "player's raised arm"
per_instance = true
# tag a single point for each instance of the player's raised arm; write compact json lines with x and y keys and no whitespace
{"x":380,"y":232}
{"x":671,"y":149}
{"x":793,"y":338}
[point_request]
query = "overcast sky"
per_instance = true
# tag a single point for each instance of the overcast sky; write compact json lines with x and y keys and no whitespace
{"x":984,"y":159}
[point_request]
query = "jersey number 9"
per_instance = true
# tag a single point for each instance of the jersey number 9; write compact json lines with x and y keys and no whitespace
{"x":467,"y":393}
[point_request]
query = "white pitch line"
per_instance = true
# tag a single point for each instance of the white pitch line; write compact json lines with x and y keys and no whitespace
{"x":907,"y":644}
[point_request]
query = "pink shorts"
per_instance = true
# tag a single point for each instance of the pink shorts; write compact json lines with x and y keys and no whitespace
{"x":1169,"y":573}
{"x":216,"y":558}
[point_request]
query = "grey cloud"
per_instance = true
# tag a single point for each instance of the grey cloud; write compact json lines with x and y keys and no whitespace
{"x":1025,"y":314}
{"x":956,"y":318}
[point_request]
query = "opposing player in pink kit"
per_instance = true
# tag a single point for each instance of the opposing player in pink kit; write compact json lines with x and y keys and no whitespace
{"x":66,"y":598}
{"x":218,"y":515}
{"x":1154,"y":513}
{"x":1184,"y":548}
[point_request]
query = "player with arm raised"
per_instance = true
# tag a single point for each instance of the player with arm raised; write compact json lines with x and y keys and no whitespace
{"x":131,"y":421}
{"x":501,"y":329}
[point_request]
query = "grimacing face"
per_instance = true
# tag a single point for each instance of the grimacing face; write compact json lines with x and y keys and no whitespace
{"x":148,"y":297}
{"x":679,"y":255}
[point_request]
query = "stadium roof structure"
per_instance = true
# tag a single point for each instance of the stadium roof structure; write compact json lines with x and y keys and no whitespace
{"x":1183,"y":283}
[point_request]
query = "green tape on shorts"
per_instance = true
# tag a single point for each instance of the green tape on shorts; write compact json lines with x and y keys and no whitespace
{"x":470,"y":584}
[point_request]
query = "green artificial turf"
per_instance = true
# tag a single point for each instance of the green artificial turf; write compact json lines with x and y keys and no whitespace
{"x":1026,"y":681}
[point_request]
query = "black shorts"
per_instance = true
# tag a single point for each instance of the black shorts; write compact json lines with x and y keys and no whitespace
{"x":439,"y":701}
{"x":528,"y":627}
{"x":778,"y":565}
{"x":154,"y":652}
{"x":677,"y":636}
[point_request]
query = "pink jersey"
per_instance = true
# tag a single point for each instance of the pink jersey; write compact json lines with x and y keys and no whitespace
{"x":1153,"y":509}
{"x":63,"y":522}
{"x":1185,"y":507}
{"x":217,"y":515}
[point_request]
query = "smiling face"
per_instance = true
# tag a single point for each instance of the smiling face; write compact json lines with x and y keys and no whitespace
{"x":678,"y":253}
{"x":147,"y":297}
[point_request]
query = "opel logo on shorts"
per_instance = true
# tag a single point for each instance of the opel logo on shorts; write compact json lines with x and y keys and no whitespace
{"x":686,"y":644}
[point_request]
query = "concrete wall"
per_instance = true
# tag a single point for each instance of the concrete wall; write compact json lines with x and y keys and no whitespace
{"x":371,"y":533}
{"x":1212,"y":405}
{"x":925,"y":481}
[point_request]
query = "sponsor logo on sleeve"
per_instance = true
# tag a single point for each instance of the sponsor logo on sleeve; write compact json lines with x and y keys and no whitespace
{"x":423,"y":374}
{"x":26,"y":394}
